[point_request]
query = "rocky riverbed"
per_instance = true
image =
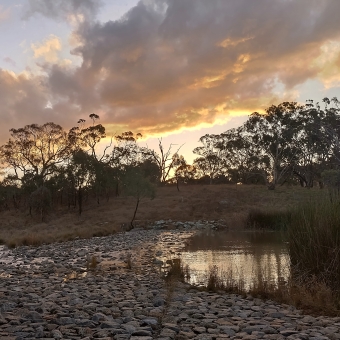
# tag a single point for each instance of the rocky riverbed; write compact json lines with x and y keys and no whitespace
{"x":112,"y":288}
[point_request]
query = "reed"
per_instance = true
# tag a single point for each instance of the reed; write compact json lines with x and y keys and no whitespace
{"x":177,"y":271}
{"x":314,"y":241}
{"x":223,"y":280}
{"x":267,"y":219}
{"x":312,"y":296}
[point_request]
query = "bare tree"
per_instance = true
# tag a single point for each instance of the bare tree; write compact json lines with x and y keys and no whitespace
{"x":164,"y":159}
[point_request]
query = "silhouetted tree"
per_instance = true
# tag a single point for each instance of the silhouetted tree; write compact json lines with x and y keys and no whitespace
{"x":136,"y":185}
{"x":36,"y":150}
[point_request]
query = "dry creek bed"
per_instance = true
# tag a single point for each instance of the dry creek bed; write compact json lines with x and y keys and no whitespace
{"x":46,"y":293}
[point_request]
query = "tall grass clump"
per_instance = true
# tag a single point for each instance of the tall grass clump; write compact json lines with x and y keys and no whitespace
{"x":267,"y":219}
{"x":177,"y":271}
{"x":314,"y":242}
{"x":217,"y":279}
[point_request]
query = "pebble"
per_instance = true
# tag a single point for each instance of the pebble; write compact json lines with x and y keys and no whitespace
{"x":52,"y":292}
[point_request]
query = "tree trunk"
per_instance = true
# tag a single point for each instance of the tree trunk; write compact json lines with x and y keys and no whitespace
{"x":134,"y":215}
{"x":271,"y":186}
{"x":80,"y":201}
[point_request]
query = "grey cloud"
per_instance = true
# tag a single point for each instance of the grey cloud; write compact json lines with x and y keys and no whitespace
{"x":60,"y":9}
{"x":23,"y":101}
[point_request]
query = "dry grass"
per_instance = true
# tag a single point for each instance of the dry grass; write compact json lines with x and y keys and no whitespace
{"x":230,"y":203}
{"x":91,"y":263}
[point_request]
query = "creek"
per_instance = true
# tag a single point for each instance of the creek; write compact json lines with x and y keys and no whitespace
{"x":242,"y":256}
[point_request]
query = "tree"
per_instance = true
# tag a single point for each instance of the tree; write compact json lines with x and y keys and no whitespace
{"x":36,"y":150}
{"x":88,"y":138}
{"x":40,"y":201}
{"x":127,"y":153}
{"x":164,"y":160}
{"x":273,"y":140}
{"x":312,"y":150}
{"x":136,"y":185}
{"x":210,"y":162}
{"x":184,"y":172}
{"x":237,"y":157}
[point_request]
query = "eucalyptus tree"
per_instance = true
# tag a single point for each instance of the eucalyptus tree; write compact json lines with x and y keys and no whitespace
{"x":236,"y":156}
{"x":273,"y":138}
{"x":88,"y":138}
{"x":330,"y":127}
{"x":313,"y":153}
{"x":210,"y":162}
{"x":136,"y":185}
{"x":36,"y":151}
{"x":127,"y":153}
{"x":180,"y":169}
{"x":90,"y":170}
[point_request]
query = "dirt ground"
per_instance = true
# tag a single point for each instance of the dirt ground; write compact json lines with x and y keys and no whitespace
{"x":230,"y":203}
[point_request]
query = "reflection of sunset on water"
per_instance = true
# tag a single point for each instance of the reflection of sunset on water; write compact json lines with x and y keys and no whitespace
{"x":241,"y":255}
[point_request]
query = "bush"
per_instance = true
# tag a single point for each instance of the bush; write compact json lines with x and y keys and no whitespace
{"x":331,"y":178}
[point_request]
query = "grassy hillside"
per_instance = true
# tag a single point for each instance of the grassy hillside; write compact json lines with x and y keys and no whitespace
{"x":230,"y":203}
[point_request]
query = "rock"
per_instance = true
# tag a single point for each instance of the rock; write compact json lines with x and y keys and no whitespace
{"x":56,"y":334}
{"x":158,"y":301}
{"x":33,"y":316}
{"x":141,"y":332}
{"x":150,"y":321}
{"x":227,"y":330}
{"x":109,"y":324}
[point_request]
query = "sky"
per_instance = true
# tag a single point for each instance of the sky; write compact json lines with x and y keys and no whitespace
{"x":176,"y":69}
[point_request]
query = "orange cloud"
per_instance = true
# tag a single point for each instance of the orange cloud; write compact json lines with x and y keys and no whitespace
{"x":48,"y":50}
{"x":48,"y":53}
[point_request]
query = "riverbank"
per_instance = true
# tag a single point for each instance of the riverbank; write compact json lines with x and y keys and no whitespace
{"x":111,"y":288}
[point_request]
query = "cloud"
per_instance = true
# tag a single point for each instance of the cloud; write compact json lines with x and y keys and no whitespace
{"x":9,"y":60}
{"x":48,"y":50}
{"x":23,"y":100}
{"x":74,"y":11}
{"x":328,"y":64}
{"x":171,"y":64}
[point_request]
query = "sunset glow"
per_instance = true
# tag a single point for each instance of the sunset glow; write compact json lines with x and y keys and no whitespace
{"x":163,"y":68}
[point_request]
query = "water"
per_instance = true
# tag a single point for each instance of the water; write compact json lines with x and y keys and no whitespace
{"x":240,"y":255}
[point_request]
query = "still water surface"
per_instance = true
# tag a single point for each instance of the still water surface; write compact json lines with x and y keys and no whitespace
{"x":242,"y":255}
